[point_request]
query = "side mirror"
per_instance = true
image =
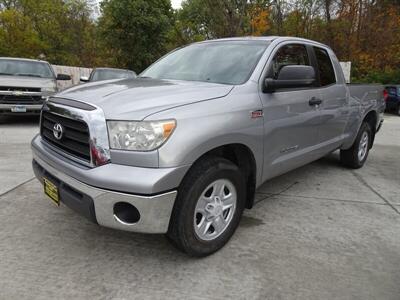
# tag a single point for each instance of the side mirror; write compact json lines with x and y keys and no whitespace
{"x":63,"y":77}
{"x":84,"y":79}
{"x":292,"y":76}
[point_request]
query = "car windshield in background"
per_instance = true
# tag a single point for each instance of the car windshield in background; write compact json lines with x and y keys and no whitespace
{"x":107,"y":74}
{"x":25,"y":68}
{"x":218,"y":62}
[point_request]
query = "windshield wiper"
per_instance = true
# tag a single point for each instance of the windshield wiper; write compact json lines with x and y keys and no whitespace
{"x":28,"y":74}
{"x":6,"y":73}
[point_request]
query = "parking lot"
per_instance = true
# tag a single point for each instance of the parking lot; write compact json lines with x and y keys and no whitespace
{"x":319,"y":232}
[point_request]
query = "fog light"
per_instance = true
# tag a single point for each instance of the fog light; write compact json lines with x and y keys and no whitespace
{"x":126,"y":213}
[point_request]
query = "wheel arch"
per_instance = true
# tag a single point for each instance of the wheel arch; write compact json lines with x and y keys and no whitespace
{"x":371,"y":118}
{"x":242,"y":156}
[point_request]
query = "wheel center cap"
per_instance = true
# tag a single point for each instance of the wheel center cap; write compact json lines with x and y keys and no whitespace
{"x":218,"y":210}
{"x":215,"y":209}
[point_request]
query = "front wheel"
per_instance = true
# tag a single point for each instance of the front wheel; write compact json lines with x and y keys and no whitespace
{"x":208,"y":208}
{"x":356,"y":156}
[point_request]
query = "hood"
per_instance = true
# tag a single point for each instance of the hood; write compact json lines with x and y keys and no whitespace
{"x":26,"y":81}
{"x":134,"y":99}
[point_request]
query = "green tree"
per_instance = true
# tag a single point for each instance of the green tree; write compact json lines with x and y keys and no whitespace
{"x":205,"y":19}
{"x":62,"y":30}
{"x":134,"y":32}
{"x":17,"y":36}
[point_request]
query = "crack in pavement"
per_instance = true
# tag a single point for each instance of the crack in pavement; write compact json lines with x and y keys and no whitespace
{"x":321,"y":198}
{"x":366,"y":184}
{"x":276,"y":194}
{"x":17,"y":186}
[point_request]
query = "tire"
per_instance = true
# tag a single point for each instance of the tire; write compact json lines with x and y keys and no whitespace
{"x":398,"y":110}
{"x":188,"y":226}
{"x":356,"y":156}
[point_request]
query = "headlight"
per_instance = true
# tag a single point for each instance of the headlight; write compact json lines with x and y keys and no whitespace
{"x":50,"y":89}
{"x":139,"y":136}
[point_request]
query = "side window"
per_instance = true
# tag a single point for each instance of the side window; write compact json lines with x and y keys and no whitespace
{"x":291,"y":54}
{"x":325,"y":67}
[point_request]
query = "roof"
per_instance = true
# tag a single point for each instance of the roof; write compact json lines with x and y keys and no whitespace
{"x":243,"y":38}
{"x":24,"y":59}
{"x":264,"y":38}
{"x":115,"y":69}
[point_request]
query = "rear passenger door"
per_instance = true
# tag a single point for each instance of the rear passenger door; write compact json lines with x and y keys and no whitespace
{"x":290,"y":122}
{"x":334,"y":112}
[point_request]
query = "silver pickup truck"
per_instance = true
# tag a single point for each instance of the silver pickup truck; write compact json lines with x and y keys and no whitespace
{"x":25,"y":84}
{"x":182,"y":148}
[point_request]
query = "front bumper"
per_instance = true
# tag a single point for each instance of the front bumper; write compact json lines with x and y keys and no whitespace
{"x":30,"y":108}
{"x":97,"y":204}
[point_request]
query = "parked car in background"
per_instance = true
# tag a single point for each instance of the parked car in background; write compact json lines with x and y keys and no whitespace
{"x":25,"y":84}
{"x":99,"y":74}
{"x":392,"y":98}
{"x":182,"y":148}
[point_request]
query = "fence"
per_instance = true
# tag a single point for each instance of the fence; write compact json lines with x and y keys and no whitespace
{"x":346,"y":67}
{"x":74,"y":72}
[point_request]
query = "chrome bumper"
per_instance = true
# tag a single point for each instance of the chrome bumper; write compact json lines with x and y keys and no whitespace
{"x":155,"y":211}
{"x":29,"y":107}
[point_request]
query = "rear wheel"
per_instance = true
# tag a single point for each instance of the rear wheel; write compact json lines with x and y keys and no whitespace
{"x":356,"y":156}
{"x":208,"y":208}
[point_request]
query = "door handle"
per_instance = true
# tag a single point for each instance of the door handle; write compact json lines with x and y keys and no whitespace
{"x":314,"y":101}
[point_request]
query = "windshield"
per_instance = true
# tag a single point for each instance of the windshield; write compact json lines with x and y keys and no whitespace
{"x":106,"y":74}
{"x":25,"y":68}
{"x":218,"y":62}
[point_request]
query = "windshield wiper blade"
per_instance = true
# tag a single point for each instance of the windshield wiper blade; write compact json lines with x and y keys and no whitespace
{"x":28,"y":74}
{"x":5,"y":73}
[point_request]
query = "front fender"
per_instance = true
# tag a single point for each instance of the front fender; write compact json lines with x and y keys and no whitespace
{"x":204,"y":126}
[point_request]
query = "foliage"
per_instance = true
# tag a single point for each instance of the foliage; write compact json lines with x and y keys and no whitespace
{"x":17,"y":36}
{"x":135,"y":31}
{"x":366,"y":32}
{"x":60,"y":31}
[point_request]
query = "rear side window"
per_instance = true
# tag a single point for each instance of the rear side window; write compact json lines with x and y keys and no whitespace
{"x":291,"y":54}
{"x":325,"y":67}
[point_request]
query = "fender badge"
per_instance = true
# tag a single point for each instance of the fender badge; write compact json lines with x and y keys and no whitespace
{"x":257,"y":114}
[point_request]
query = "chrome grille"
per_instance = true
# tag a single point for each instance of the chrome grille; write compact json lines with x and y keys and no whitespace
{"x":75,"y":138}
{"x":20,"y":89}
{"x":11,"y":99}
{"x":8,"y":95}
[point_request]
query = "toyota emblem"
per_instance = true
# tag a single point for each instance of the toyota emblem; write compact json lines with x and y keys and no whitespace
{"x":58,"y":131}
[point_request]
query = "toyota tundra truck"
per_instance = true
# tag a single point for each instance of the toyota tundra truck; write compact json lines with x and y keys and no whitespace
{"x":182,"y":148}
{"x":25,"y":84}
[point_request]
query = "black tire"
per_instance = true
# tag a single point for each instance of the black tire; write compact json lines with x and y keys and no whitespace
{"x":398,"y":110}
{"x":350,"y":157}
{"x":181,"y":229}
